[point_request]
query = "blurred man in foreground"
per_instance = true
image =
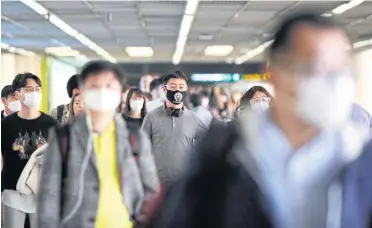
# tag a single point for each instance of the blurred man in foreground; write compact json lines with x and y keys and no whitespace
{"x":299,"y":164}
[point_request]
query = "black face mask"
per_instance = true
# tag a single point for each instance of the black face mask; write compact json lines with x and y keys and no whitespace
{"x":176,"y":97}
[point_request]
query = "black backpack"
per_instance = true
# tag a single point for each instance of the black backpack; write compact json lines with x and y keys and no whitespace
{"x":60,"y":113}
{"x":63,"y":137}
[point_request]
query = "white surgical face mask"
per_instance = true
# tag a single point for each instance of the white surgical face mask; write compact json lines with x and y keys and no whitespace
{"x":14,"y":106}
{"x":326,"y":102}
{"x":32,"y":99}
{"x":260,"y":106}
{"x":224,"y":99}
{"x":101,"y":100}
{"x":205,"y":102}
{"x":136,"y":105}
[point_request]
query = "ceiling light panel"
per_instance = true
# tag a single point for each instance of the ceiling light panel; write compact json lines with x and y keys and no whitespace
{"x":220,"y":50}
{"x":62,"y":51}
{"x":139,"y":51}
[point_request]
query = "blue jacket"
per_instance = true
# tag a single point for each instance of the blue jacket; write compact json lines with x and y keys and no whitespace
{"x":357,"y":192}
{"x":361,"y":116}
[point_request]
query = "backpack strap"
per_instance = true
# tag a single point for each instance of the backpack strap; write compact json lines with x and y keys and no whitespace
{"x":60,"y":113}
{"x":63,"y":137}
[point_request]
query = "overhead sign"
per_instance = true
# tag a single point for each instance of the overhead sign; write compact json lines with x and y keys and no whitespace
{"x":256,"y":77}
{"x":215,"y":77}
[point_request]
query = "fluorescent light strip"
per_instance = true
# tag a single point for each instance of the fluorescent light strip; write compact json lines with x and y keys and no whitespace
{"x":345,"y":7}
{"x":15,"y":50}
{"x":185,"y":27}
{"x":62,"y":25}
{"x":362,"y":43}
{"x":59,"y":23}
{"x":338,"y":10}
{"x":254,"y":52}
{"x":36,"y":7}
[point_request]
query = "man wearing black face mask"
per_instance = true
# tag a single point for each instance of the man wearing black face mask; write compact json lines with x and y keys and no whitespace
{"x":172,"y":129}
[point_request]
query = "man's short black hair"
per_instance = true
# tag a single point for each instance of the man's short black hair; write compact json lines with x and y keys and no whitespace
{"x":20,"y":80}
{"x":155,"y":84}
{"x":283,"y":36}
{"x":176,"y":74}
{"x":7,"y":91}
{"x":99,"y":66}
{"x":196,"y":99}
{"x":72,"y":84}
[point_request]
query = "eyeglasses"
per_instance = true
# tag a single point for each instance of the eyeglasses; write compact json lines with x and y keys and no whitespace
{"x":175,"y":87}
{"x":30,"y":89}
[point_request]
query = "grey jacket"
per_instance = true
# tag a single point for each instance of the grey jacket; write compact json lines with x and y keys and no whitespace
{"x":81,"y":187}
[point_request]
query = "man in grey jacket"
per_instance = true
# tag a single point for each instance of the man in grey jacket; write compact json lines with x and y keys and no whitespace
{"x":103,"y":182}
{"x":173,"y":129}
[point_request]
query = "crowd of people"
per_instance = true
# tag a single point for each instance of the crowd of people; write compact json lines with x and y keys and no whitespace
{"x":169,"y":154}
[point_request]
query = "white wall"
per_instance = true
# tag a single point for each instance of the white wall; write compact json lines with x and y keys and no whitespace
{"x":58,"y":74}
{"x":12,"y":64}
{"x":363,"y":61}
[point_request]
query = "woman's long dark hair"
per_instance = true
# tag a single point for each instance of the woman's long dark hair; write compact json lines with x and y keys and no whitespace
{"x":138,"y":93}
{"x":244,"y":100}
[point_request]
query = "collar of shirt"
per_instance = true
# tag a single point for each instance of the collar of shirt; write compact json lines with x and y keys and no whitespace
{"x":109,"y":128}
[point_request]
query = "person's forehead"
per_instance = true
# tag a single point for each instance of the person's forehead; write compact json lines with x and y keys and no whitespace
{"x":178,"y":81}
{"x":31,"y":82}
{"x":135,"y":95}
{"x":104,"y":76}
{"x":259,"y":94}
{"x":327,"y":45}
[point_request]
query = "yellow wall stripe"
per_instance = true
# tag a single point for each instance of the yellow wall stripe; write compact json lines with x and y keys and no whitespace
{"x":45,"y":83}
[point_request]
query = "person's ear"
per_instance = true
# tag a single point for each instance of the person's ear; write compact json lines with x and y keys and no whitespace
{"x":271,"y":74}
{"x":18,"y":95}
{"x":75,"y":91}
{"x":5,"y":102}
